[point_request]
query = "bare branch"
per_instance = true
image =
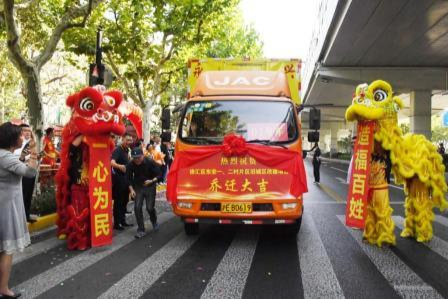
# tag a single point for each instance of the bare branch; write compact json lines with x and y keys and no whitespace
{"x":56,"y":79}
{"x":170,"y":51}
{"x":141,"y":98}
{"x":15,"y":52}
{"x":127,"y":85}
{"x":64,"y":24}
{"x":165,"y":87}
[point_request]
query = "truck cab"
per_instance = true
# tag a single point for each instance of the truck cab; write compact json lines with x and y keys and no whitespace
{"x":255,"y":106}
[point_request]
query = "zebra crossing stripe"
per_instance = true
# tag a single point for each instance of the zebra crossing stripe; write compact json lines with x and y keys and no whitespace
{"x":436,"y":244}
{"x":442,"y":220}
{"x":137,"y":282}
{"x":43,"y":282}
{"x":38,"y":248}
{"x":405,"y":281}
{"x":230,"y":276}
{"x":318,"y":277}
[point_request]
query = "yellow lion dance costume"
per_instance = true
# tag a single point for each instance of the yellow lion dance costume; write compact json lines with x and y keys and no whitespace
{"x":415,"y":164}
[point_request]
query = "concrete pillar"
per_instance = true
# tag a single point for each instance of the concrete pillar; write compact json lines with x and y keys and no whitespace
{"x":334,"y":139}
{"x":420,"y":117}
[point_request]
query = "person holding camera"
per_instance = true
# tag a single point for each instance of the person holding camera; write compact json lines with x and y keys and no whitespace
{"x":14,"y":235}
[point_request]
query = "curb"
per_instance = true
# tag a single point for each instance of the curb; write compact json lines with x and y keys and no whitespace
{"x":50,"y":220}
{"x":336,"y":160}
{"x":43,"y":223}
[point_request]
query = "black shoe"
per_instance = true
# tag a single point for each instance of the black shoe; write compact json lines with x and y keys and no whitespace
{"x":124,"y":224}
{"x":118,"y":227}
{"x":16,"y":295}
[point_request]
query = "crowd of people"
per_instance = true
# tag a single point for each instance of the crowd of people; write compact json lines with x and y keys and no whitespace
{"x":137,"y":169}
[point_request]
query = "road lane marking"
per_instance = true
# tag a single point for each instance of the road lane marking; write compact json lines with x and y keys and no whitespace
{"x":341,"y":180}
{"x":405,"y":281}
{"x":344,"y":171}
{"x":330,"y":192}
{"x":41,"y":283}
{"x":230,"y":276}
{"x":318,"y":277}
{"x":436,"y":244}
{"x":45,"y":245}
{"x":137,"y":282}
{"x":38,"y":248}
{"x":396,"y":187}
{"x":442,"y":220}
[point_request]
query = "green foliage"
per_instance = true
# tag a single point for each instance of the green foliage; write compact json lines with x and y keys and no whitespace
{"x":45,"y":202}
{"x":12,"y":102}
{"x":439,"y":133}
{"x":149,"y":42}
{"x":345,"y":143}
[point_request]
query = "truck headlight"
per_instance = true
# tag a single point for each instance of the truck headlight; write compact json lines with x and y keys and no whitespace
{"x":185,"y":205}
{"x":288,"y":206}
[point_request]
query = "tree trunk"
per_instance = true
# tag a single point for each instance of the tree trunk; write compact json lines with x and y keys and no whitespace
{"x":31,"y":78}
{"x":147,"y":121}
{"x":3,"y":105}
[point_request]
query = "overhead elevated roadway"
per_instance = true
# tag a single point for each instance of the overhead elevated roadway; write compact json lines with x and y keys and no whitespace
{"x":403,"y":42}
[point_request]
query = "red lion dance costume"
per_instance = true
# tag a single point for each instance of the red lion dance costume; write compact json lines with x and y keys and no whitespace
{"x":95,"y":115}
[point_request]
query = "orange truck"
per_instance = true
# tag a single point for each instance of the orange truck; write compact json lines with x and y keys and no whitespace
{"x":238,"y":150}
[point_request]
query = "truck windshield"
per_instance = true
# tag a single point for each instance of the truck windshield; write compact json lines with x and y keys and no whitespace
{"x":208,"y":122}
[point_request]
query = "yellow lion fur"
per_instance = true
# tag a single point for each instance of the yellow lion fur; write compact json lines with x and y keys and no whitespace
{"x":415,"y":161}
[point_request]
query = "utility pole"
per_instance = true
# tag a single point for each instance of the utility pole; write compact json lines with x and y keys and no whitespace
{"x":96,"y":71}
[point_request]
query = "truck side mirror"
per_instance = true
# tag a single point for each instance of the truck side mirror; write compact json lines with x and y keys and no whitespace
{"x":314,"y":119}
{"x":166,"y":119}
{"x":313,"y":136}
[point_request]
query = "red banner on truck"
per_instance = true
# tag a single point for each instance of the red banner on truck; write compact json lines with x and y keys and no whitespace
{"x":255,"y":172}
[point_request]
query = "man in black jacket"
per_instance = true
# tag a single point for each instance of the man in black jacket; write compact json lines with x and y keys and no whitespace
{"x":143,"y":175}
{"x":316,"y":163}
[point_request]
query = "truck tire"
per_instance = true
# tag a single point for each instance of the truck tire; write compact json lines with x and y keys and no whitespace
{"x":191,"y":228}
{"x":298,"y":224}
{"x":295,"y":227}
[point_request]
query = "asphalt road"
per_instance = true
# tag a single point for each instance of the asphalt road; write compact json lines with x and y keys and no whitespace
{"x":325,"y":260}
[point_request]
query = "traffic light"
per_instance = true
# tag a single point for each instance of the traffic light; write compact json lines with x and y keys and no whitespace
{"x":102,"y":75}
{"x":96,"y":74}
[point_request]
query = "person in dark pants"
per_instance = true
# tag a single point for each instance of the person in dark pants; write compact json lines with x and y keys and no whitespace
{"x":316,"y":163}
{"x":165,"y":148}
{"x":143,"y":175}
{"x":120,"y":189}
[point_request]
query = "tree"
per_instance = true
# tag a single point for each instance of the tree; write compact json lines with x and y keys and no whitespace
{"x":19,"y":22}
{"x":12,"y":103}
{"x":147,"y":44}
{"x":345,"y":143}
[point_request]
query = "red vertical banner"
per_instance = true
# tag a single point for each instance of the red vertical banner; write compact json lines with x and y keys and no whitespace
{"x":356,"y":210}
{"x":100,"y":191}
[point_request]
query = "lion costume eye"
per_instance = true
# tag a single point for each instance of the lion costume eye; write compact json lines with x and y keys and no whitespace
{"x":110,"y":101}
{"x":380,"y":95}
{"x":86,"y":104}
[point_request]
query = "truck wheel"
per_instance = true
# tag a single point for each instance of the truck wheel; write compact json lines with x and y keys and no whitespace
{"x":191,"y":228}
{"x":298,"y":224}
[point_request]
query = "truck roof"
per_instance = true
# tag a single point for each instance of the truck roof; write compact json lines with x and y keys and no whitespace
{"x":261,"y":83}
